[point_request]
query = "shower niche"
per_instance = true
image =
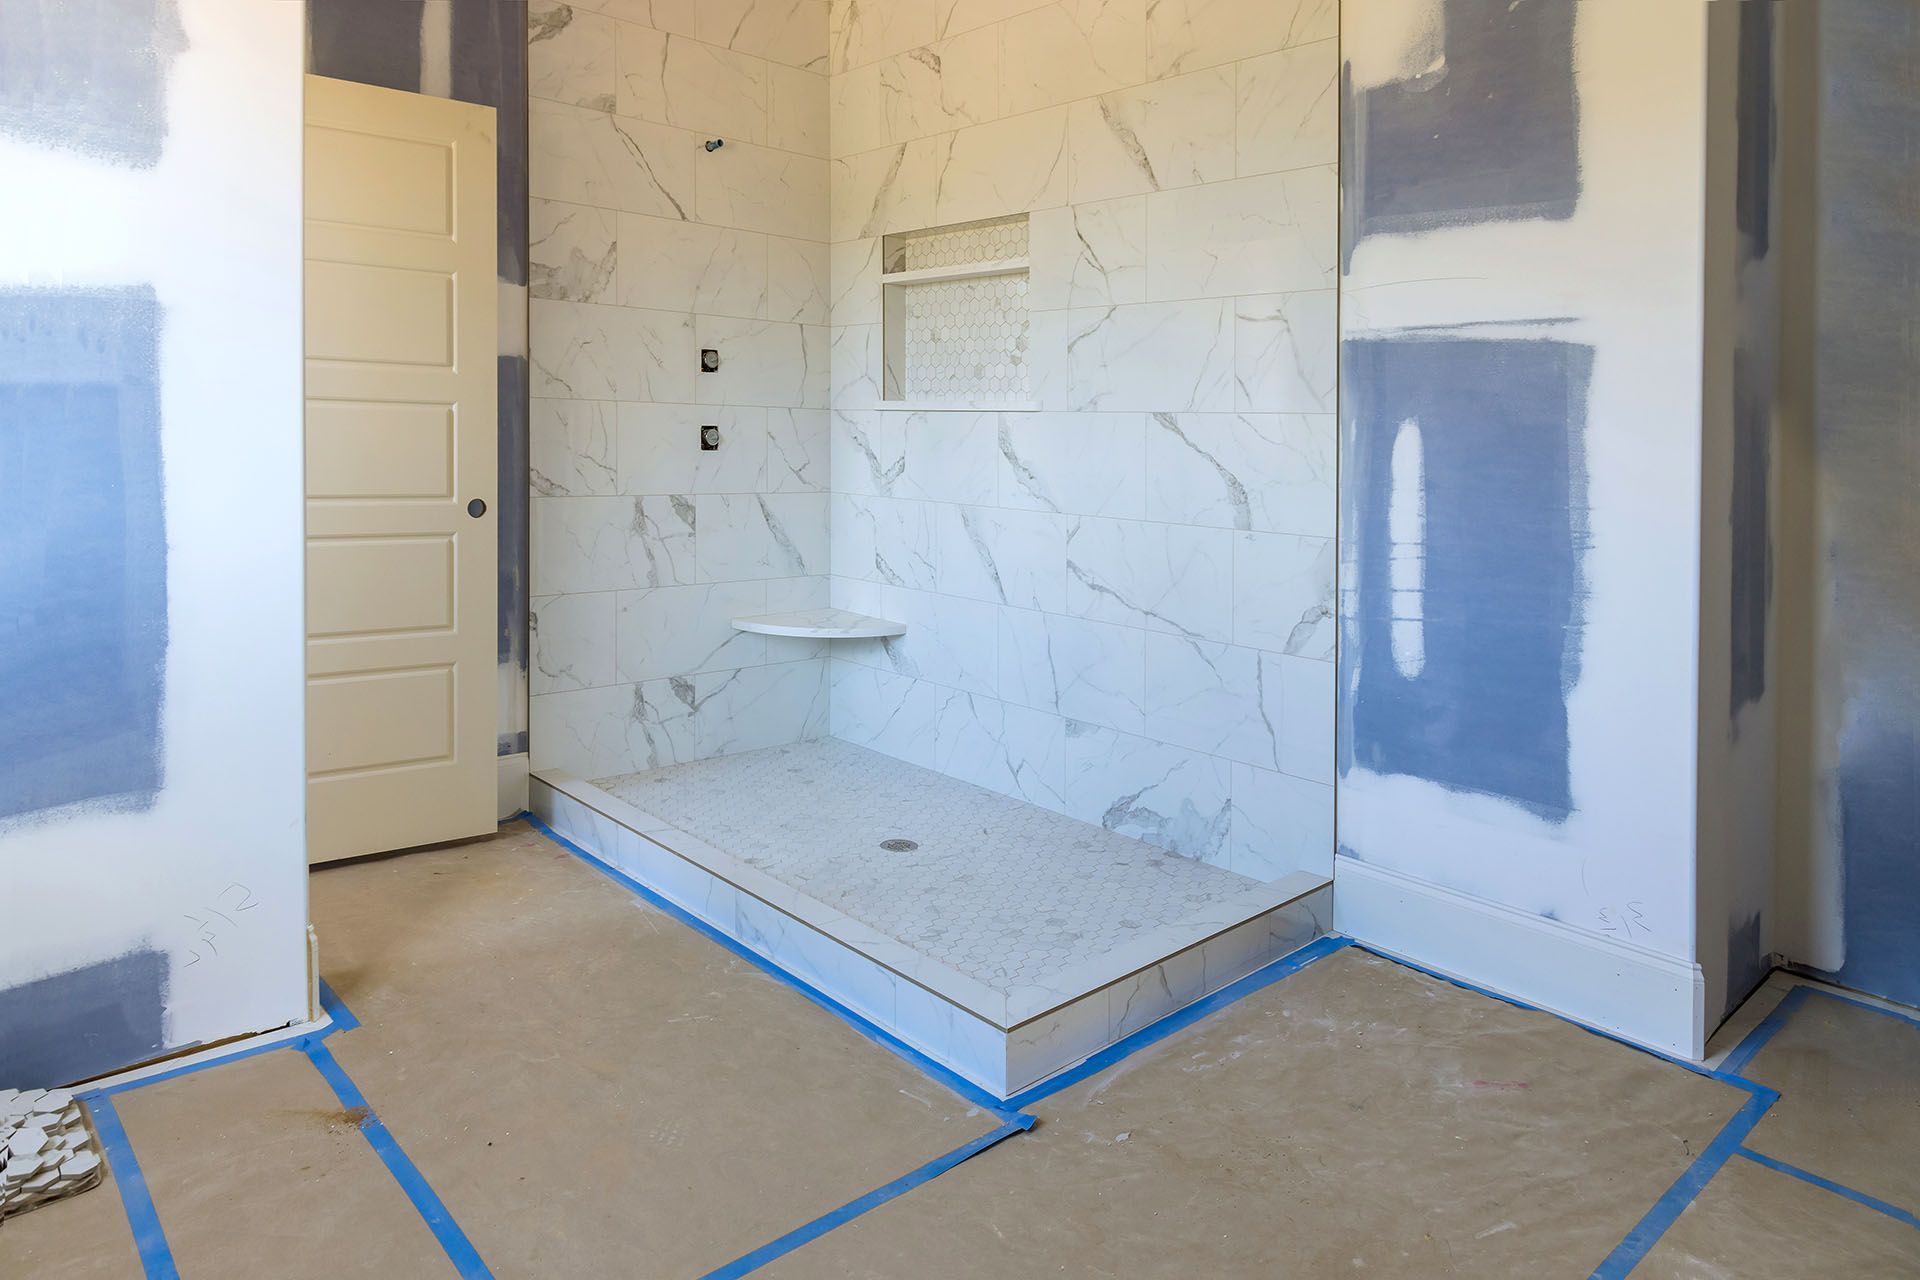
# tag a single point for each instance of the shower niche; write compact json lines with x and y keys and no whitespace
{"x":954,"y":317}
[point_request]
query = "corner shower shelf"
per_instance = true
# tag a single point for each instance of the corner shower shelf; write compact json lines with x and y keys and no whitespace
{"x":964,"y":271}
{"x":821,"y":624}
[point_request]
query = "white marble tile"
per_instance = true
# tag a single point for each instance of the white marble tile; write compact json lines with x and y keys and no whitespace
{"x":1289,"y":115}
{"x":1014,"y":558}
{"x":869,"y":450}
{"x":573,"y":644}
{"x":585,"y":351}
{"x":854,"y":360}
{"x":797,"y":285}
{"x":1177,"y":799}
{"x":1154,"y":137}
{"x":1074,"y":49}
{"x":1089,"y":255}
{"x":1308,"y":716}
{"x":1074,"y":463}
{"x":660,"y":449}
{"x":798,"y":455}
{"x":883,"y":711}
{"x":571,"y":449}
{"x":1137,"y":1002}
{"x":855,"y":123}
{"x":1283,"y":594}
{"x":1274,"y":233}
{"x":611,"y":162}
{"x":818,"y":959}
{"x":777,"y":535}
{"x":669,"y":79}
{"x":763,"y":362}
{"x":570,"y":55}
{"x":854,"y":279}
{"x":1088,"y":671}
{"x":950,"y":17}
{"x":793,"y":33}
{"x":883,"y":540}
{"x":1280,"y":824}
{"x":1161,"y":577}
{"x":670,"y":265}
{"x":1057,"y":1040}
{"x":677,"y":631}
{"x":570,"y":252}
{"x":1185,"y":35}
{"x":1222,"y":699}
{"x":611,"y":544}
{"x":1006,"y":748}
{"x":1287,"y":352}
{"x":797,"y":110}
{"x":951,"y":457}
{"x":762,"y":189}
{"x":1271,"y":472}
{"x":950,"y":1035}
{"x":949,"y":641}
{"x":1007,"y":166}
{"x":880,"y":192}
{"x":755,"y":707}
{"x":938,"y":87}
{"x":593,"y":733}
{"x":1233,"y":955}
{"x":1157,"y":356}
{"x":862,"y":31}
{"x":1047,"y":333}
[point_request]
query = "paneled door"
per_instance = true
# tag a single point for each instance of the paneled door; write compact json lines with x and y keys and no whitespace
{"x":401,"y":469}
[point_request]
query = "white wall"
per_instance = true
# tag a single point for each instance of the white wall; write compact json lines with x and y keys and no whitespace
{"x":211,"y":873}
{"x":1468,"y":878}
{"x":1120,"y":604}
{"x":646,"y":247}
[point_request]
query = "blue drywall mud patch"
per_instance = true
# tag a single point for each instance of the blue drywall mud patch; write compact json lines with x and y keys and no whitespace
{"x":84,"y":1022}
{"x":83,"y":549}
{"x":490,"y":68}
{"x":1752,"y":527}
{"x":366,"y":41}
{"x":1465,"y":596}
{"x":89,"y":75}
{"x":1758,"y":131}
{"x":1490,"y":134}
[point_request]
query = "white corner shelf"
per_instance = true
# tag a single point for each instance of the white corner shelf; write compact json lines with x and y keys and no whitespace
{"x":821,"y":624}
{"x":966,"y":271}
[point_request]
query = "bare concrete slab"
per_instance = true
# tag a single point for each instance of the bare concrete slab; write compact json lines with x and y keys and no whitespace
{"x":1753,"y":1222}
{"x":1357,"y":1118}
{"x":1849,"y":1109}
{"x":85,"y":1237}
{"x":594,"y":1088}
{"x":255,"y":1170}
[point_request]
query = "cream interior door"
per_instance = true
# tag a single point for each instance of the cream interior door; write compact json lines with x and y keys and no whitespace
{"x":401,"y":469}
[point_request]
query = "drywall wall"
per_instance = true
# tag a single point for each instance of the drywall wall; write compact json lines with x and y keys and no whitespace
{"x":1850,"y":891}
{"x":152,"y":805}
{"x":1521,"y":496}
{"x":473,"y":51}
{"x":646,"y":247}
{"x":1119,"y":595}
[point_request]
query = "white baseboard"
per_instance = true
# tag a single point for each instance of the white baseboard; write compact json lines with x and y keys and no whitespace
{"x":513,"y":786}
{"x":1628,"y":991}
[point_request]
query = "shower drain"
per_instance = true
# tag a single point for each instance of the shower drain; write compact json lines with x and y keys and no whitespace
{"x":899,"y":846}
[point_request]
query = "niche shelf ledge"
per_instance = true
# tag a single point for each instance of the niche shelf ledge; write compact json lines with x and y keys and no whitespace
{"x":964,"y":271}
{"x":821,"y":624}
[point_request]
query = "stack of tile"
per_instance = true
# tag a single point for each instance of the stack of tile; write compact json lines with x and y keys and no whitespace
{"x":48,"y":1150}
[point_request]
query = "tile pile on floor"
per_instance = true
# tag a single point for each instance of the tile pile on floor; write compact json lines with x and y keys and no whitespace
{"x":47,"y":1149}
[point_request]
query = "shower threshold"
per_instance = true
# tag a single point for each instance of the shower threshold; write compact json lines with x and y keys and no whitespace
{"x":1005,"y":941}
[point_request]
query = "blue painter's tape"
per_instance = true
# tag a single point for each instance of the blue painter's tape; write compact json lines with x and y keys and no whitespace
{"x":459,"y":1250}
{"x":1757,"y":1039}
{"x":336,"y":1009}
{"x":252,"y":1051}
{"x":872,"y":1200}
{"x":1180,"y":1019}
{"x":148,"y":1236}
{"x":1827,"y":1184}
{"x":967,"y":1089}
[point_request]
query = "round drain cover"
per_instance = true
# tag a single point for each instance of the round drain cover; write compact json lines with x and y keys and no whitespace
{"x":899,"y":846}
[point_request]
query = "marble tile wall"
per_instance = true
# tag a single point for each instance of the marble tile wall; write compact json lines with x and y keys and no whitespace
{"x":645,"y":248}
{"x":1120,"y":604}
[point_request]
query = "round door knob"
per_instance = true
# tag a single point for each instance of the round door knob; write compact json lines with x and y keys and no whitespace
{"x":476,"y":508}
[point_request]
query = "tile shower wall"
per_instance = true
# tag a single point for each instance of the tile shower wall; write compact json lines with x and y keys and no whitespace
{"x":645,"y":248}
{"x":1121,"y":601}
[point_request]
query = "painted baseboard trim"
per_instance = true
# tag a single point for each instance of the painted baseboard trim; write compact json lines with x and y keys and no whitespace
{"x":1625,"y":990}
{"x":514,"y":770}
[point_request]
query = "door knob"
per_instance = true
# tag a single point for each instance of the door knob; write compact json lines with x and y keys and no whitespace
{"x":476,"y":508}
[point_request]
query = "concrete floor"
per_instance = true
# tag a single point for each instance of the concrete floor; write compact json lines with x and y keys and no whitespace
{"x":591,"y":1088}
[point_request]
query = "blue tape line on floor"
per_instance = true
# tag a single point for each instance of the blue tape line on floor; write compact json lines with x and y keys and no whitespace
{"x":459,"y":1250}
{"x":336,"y":1009}
{"x":872,"y":1200}
{"x":1827,"y":1184}
{"x":148,"y":1236}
